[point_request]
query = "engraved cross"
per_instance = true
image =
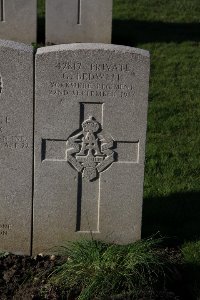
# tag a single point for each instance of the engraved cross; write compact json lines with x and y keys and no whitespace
{"x":79,"y":12}
{"x":90,"y":151}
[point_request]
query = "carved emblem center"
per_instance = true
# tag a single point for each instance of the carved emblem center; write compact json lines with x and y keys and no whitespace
{"x":90,"y":151}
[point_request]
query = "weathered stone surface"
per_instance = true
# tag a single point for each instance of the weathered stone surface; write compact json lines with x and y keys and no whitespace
{"x":18,"y":20}
{"x":74,"y":21}
{"x":16,"y":146}
{"x":91,"y":111}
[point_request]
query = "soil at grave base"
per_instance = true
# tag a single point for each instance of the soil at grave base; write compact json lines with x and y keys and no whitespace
{"x":23,"y":278}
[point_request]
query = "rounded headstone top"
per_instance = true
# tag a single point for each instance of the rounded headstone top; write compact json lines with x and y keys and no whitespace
{"x":92,"y":46}
{"x":16,"y":45}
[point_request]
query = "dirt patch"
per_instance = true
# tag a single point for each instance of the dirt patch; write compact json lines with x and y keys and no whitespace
{"x":24,"y":278}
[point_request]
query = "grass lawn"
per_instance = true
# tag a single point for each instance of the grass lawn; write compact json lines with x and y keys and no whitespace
{"x":170,"y":31}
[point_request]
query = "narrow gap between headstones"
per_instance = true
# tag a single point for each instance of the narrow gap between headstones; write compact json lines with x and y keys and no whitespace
{"x":41,"y":22}
{"x":33,"y":157}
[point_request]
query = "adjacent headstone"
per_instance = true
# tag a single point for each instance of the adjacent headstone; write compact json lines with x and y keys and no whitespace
{"x":16,"y":146}
{"x":91,"y":112}
{"x":18,"y":20}
{"x":74,"y":21}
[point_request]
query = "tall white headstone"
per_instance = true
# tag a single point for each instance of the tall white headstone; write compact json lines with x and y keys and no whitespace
{"x":91,"y":115}
{"x":74,"y":21}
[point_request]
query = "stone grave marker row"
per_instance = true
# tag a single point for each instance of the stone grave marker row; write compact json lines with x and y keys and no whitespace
{"x":67,"y":21}
{"x":89,"y":143}
{"x":77,"y":21}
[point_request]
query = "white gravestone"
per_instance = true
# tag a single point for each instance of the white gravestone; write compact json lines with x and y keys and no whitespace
{"x":74,"y":21}
{"x":16,"y":146}
{"x":91,"y":113}
{"x":18,"y":20}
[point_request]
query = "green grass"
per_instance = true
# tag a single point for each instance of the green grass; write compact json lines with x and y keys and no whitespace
{"x":170,"y":31}
{"x":3,"y":254}
{"x":99,"y":270}
{"x":173,"y":142}
{"x":173,"y":155}
{"x":158,"y":10}
{"x":191,"y":255}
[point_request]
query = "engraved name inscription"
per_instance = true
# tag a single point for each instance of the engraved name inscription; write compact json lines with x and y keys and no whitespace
{"x":99,"y":80}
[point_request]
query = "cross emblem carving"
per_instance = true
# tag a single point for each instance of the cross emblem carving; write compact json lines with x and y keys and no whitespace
{"x":90,"y":152}
{"x":95,"y":153}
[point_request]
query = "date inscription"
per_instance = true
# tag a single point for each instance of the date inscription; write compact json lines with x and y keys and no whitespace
{"x":99,"y":80}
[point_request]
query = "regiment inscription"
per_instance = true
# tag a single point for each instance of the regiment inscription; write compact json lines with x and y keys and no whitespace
{"x":101,"y":80}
